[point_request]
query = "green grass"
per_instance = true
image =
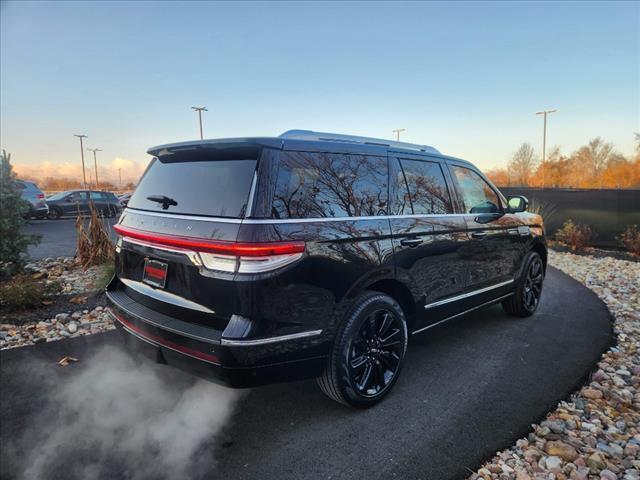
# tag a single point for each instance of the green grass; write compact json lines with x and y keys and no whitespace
{"x":107,"y":271}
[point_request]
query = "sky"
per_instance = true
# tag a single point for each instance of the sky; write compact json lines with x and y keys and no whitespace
{"x":466,"y":78}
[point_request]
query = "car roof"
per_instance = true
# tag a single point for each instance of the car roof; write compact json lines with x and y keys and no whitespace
{"x":306,"y":140}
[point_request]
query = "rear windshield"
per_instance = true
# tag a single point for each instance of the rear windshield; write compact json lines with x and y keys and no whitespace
{"x":217,"y":188}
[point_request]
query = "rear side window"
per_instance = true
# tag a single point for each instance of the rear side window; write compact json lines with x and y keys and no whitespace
{"x":318,"y":185}
{"x":477,"y":195}
{"x":422,"y":190}
{"x":217,"y":188}
{"x":96,"y":195}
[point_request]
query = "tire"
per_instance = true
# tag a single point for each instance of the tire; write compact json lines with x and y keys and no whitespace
{"x":55,"y":213}
{"x":526,"y":298}
{"x":361,"y":373}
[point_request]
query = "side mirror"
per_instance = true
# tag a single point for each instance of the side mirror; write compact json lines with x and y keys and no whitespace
{"x":517,"y":203}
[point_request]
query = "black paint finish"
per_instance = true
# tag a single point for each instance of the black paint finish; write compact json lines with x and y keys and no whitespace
{"x":433,"y":265}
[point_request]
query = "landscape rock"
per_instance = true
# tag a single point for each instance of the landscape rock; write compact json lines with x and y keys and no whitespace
{"x":594,"y":434}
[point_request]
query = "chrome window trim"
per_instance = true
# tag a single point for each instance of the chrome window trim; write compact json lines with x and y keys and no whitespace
{"x":462,"y":313}
{"x":467,"y":295}
{"x":263,"y":341}
{"x":257,"y":221}
{"x":182,"y":216}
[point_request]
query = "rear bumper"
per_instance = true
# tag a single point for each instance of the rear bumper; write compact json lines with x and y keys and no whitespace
{"x":204,"y":352}
{"x":38,"y":210}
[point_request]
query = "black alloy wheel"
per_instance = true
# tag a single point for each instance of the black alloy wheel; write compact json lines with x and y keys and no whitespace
{"x":376,"y":352}
{"x":526,"y":298}
{"x":533,"y":284}
{"x":368,"y":353}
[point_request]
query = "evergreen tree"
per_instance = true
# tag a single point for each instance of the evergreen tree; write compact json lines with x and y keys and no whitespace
{"x":13,"y":243}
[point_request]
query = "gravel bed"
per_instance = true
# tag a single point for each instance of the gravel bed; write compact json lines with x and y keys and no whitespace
{"x":63,"y":325}
{"x":75,"y":283}
{"x":64,"y":270}
{"x":596,"y":433}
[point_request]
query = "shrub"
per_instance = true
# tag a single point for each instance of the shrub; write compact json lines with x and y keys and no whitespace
{"x":576,"y":236}
{"x":94,"y":243}
{"x":23,"y":291}
{"x":13,"y":243}
{"x":630,"y":238}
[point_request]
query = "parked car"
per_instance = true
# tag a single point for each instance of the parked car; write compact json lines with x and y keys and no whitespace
{"x":124,"y":199}
{"x":30,"y":192}
{"x":261,"y":260}
{"x":73,"y":202}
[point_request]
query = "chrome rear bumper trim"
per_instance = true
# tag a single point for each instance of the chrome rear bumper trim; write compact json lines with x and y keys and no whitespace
{"x":263,"y":341}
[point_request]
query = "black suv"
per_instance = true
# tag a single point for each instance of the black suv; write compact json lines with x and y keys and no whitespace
{"x":258,"y":260}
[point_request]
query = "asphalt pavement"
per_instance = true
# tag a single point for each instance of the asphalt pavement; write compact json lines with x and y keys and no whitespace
{"x":470,"y":387}
{"x":59,"y":237}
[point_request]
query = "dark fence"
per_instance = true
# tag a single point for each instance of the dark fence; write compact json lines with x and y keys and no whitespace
{"x":607,"y":212}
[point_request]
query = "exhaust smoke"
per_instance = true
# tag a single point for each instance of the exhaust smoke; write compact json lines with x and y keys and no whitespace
{"x":117,"y":416}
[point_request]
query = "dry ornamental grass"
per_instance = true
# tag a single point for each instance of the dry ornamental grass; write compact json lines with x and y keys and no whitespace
{"x":94,"y":244}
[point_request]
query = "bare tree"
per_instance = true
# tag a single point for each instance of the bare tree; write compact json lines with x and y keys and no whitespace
{"x":523,"y":164}
{"x":594,"y":158}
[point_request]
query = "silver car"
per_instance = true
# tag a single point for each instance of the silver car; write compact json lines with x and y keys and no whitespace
{"x":30,"y":192}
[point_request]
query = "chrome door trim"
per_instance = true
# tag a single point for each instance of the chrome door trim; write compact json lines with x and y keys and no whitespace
{"x":466,"y":295}
{"x":462,"y":313}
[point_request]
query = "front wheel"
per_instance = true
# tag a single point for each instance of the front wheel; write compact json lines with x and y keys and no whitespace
{"x":526,"y":298}
{"x":368,"y":353}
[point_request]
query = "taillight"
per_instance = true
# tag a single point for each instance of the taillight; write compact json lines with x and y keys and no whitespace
{"x":41,"y":195}
{"x":241,"y":257}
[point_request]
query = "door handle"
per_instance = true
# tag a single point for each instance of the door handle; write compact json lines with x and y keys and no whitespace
{"x":479,"y":234}
{"x":411,"y":242}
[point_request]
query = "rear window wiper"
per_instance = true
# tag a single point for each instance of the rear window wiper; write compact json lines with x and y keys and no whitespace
{"x":165,"y":201}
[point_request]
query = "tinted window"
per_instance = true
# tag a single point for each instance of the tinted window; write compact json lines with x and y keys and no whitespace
{"x":216,"y":188}
{"x":20,"y":185}
{"x":477,"y":195}
{"x":77,"y":197}
{"x":425,"y":191}
{"x":96,"y":196}
{"x":313,"y":185}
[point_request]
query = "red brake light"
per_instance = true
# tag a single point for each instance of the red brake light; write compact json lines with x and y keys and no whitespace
{"x":240,"y":249}
{"x":41,"y":195}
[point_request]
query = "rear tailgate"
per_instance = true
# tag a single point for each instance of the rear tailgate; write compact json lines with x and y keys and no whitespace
{"x":199,"y":195}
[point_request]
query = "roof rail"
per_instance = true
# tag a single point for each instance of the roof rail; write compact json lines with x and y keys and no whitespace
{"x":336,"y":137}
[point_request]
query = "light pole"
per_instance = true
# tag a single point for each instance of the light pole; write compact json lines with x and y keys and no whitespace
{"x":84,"y":175}
{"x":200,"y":110}
{"x":120,"y":177}
{"x":95,"y":163}
{"x":544,"y":140}
{"x":397,"y":132}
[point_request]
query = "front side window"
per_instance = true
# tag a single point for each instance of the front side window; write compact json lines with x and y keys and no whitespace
{"x":426,"y":191}
{"x":96,"y":196}
{"x":477,"y":195}
{"x":77,"y":197}
{"x":318,"y":185}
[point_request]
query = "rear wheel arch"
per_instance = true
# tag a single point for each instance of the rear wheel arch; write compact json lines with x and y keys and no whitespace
{"x":401,"y":294}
